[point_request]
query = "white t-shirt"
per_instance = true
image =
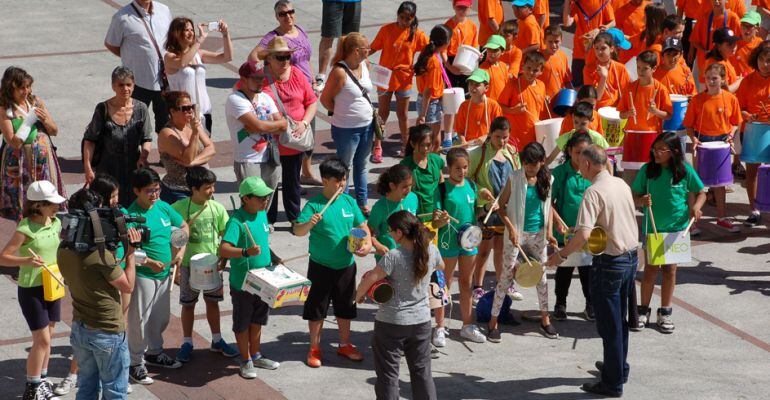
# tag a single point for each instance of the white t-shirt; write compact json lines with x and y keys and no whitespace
{"x":248,"y":147}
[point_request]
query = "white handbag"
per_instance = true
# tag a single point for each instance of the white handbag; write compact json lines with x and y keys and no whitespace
{"x":302,"y":142}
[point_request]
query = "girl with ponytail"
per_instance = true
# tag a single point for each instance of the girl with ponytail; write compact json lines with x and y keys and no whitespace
{"x":395,"y":187}
{"x":399,"y":41}
{"x":430,"y":81}
{"x":402,"y":325}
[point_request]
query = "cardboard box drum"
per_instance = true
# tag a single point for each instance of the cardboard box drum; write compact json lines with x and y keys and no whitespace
{"x":277,"y":286}
{"x":668,"y":248}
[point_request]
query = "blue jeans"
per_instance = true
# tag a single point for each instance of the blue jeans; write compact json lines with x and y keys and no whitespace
{"x":354,"y":146}
{"x":102,"y":362}
{"x":612,"y":278}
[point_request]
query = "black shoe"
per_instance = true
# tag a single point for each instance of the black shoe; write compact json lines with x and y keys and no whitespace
{"x":31,"y":392}
{"x":493,"y":335}
{"x":588,"y":313}
{"x":549,"y":331}
{"x":753,"y":219}
{"x":598,"y":388}
{"x":560,"y":312}
{"x":138,"y":374}
{"x":600,"y":366}
{"x":161,"y":360}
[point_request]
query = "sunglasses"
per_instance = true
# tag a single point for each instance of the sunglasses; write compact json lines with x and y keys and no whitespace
{"x":283,"y":58}
{"x":186,"y":108}
{"x":284,"y":14}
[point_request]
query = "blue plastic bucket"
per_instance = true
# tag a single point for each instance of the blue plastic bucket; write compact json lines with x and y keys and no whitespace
{"x":677,"y":115}
{"x":756,"y":143}
{"x":563,"y":101}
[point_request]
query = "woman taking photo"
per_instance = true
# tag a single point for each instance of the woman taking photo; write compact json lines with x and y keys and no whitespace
{"x":28,"y":154}
{"x":182,"y":144}
{"x":184,"y":61}
{"x":294,"y":93}
{"x":119,"y":137}
{"x":347,"y":95}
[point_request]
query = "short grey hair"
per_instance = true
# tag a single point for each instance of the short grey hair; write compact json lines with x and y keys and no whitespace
{"x":595,"y":155}
{"x":281,"y":3}
{"x":121,"y":73}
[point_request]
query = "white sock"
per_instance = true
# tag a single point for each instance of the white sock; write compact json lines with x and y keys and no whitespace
{"x":73,"y":377}
{"x":215,"y":337}
{"x":188,"y":339}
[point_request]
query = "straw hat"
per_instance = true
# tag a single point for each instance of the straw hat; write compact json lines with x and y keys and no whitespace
{"x":529,"y":274}
{"x":277,"y":45}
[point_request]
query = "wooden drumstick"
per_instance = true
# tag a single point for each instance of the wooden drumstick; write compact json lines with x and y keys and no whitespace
{"x":173,"y":277}
{"x":198,"y":214}
{"x":426,"y":215}
{"x":523,"y":253}
{"x":328,"y":203}
{"x":251,"y":237}
{"x":545,"y":99}
{"x":692,"y":220}
{"x":46,"y":268}
{"x":652,"y":219}
{"x":468,"y":143}
{"x":631,"y":103}
{"x":655,"y":93}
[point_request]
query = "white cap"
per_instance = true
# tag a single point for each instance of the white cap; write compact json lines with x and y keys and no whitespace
{"x":44,"y":191}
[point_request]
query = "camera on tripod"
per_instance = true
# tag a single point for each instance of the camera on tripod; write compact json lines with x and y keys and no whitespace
{"x":88,"y":230}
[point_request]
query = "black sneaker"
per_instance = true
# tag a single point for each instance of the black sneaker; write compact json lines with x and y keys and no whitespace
{"x":31,"y":392}
{"x":588,"y":313}
{"x":549,"y":331}
{"x":560,"y":312}
{"x":45,"y":391}
{"x":138,"y":374}
{"x":753,"y":219}
{"x":493,"y":335}
{"x":600,"y":365}
{"x":161,"y":360}
{"x":598,"y":388}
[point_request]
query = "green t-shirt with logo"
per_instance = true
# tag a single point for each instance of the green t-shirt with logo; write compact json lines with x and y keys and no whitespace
{"x":44,"y":241}
{"x":160,"y":218}
{"x":426,"y":181}
{"x":236,"y":235}
{"x":567,"y":192}
{"x":460,"y":202}
{"x":378,"y":218}
{"x":329,"y":238}
{"x":205,"y":230}
{"x":596,"y":137}
{"x":669,"y":199}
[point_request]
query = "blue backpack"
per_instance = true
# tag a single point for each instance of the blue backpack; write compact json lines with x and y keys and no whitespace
{"x":484,"y":309}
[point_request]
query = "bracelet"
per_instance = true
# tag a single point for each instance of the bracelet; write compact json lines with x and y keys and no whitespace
{"x":244,"y":253}
{"x":561,"y":258}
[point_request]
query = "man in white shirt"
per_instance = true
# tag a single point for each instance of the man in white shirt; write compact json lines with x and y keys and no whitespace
{"x":128,"y":37}
{"x":253,"y":119}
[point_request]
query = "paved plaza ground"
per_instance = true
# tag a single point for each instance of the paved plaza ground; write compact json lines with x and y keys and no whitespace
{"x":721,"y":348}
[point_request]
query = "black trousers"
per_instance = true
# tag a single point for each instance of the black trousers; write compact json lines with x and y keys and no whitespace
{"x":564,"y":280}
{"x":689,"y":23}
{"x":291,"y":166}
{"x":153,"y":99}
{"x":577,"y":72}
{"x":388,"y":342}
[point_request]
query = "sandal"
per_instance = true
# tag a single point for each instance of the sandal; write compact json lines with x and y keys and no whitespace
{"x":377,"y":155}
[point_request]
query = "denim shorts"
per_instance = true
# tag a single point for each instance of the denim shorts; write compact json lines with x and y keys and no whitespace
{"x":400,"y":94}
{"x":435,"y":111}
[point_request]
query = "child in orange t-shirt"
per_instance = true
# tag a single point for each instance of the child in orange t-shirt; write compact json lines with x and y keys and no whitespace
{"x":654,"y":14}
{"x":464,"y":32}
{"x":725,"y":44}
{"x":497,"y":70}
{"x":556,"y":72}
{"x":645,"y":102}
{"x":491,"y":15}
{"x":430,"y":81}
{"x":542,"y":11}
{"x":512,"y":54}
{"x":609,"y":76}
{"x":672,"y":73}
{"x":714,"y":116}
{"x":586,"y":94}
{"x":590,"y":16}
{"x":629,"y":17}
{"x":702,"y":34}
{"x":673,"y":27}
{"x":399,"y":41}
{"x":523,"y":99}
{"x":749,"y":41}
{"x":476,"y":114}
{"x":753,"y":95}
{"x":530,"y":35}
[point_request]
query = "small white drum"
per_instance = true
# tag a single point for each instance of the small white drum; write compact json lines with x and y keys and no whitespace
{"x":469,"y":236}
{"x":203,"y":272}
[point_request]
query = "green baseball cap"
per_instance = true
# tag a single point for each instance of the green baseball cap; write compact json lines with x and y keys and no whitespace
{"x":479,"y":76}
{"x":495,"y":42}
{"x":255,"y":186}
{"x":751,"y":18}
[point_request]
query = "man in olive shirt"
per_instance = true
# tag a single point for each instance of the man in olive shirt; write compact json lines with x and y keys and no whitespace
{"x":609,"y":204}
{"x":98,"y":335}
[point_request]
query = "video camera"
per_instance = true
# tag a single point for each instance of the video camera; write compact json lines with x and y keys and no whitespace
{"x":99,"y":229}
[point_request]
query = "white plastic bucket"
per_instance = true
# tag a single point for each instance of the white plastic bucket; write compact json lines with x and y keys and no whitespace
{"x":380,"y":75}
{"x":451,"y":100}
{"x":467,"y":59}
{"x":546,"y":133}
{"x":203,"y":272}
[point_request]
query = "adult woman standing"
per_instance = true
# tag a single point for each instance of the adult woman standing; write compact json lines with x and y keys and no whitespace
{"x":119,"y":137}
{"x":28,"y":154}
{"x":184,"y":61}
{"x":347,"y":95}
{"x":296,"y":39}
{"x":181,"y":144}
{"x":295,"y":93}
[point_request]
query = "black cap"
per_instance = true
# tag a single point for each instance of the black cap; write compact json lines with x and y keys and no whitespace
{"x":672,"y":43}
{"x":725,"y":35}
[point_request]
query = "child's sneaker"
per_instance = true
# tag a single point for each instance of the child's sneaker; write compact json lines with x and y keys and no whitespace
{"x":247,"y":370}
{"x":665,"y":323}
{"x":138,"y":374}
{"x":728,"y":225}
{"x":439,"y":337}
{"x":183,"y":355}
{"x":161,"y":360}
{"x":560,"y":312}
{"x":377,"y":155}
{"x":223,"y":347}
{"x":515,"y":294}
{"x":644,"y":317}
{"x":350,"y":352}
{"x":66,"y":385}
{"x":753,"y":219}
{"x":265,"y":363}
{"x":471,"y":332}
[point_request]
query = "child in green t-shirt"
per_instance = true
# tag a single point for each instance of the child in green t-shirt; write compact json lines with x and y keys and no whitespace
{"x":329,"y":218}
{"x":583,"y":116}
{"x":246,"y":243}
{"x":394,"y":185}
{"x":426,"y":167}
{"x":663,"y":185}
{"x":207,"y":219}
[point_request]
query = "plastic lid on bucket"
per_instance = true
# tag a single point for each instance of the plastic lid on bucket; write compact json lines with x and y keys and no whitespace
{"x":358,"y":233}
{"x":609,"y":113}
{"x":678,"y":98}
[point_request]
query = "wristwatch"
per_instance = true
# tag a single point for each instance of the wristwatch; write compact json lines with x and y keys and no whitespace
{"x":244,"y":252}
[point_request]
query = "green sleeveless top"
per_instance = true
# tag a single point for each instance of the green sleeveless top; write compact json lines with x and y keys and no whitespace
{"x":44,"y":241}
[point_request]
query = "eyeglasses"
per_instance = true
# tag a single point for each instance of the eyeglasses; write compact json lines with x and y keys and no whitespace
{"x":283,"y":58}
{"x":151,"y":192}
{"x":284,"y":14}
{"x":187,"y":108}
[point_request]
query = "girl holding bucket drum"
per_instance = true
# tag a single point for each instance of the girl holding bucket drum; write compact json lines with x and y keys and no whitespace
{"x":754,"y":98}
{"x":712,"y":119}
{"x":664,"y":186}
{"x":402,"y":324}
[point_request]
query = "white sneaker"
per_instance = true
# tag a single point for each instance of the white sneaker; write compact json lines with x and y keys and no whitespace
{"x":130,"y":389}
{"x":320,"y":81}
{"x":66,"y":385}
{"x":439,"y":337}
{"x":515,"y":294}
{"x":471,"y":332}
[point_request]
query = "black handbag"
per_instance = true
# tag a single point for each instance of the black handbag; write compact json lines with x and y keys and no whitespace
{"x":379,"y":126}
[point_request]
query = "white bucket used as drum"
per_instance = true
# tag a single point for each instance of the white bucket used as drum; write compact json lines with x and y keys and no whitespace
{"x":203,"y":272}
{"x":467,"y":59}
{"x":380,"y":75}
{"x":546,"y":133}
{"x":451,"y":100}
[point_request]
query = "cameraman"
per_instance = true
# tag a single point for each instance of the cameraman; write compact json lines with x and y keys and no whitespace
{"x":98,"y":335}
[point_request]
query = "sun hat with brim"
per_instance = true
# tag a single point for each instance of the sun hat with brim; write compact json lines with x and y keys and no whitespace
{"x":523,"y":3}
{"x":251,"y":69}
{"x":619,"y":38}
{"x":751,"y":18}
{"x":254,"y":186}
{"x":279,"y":45}
{"x":479,"y":76}
{"x":44,"y":191}
{"x":529,"y":274}
{"x":725,"y":35}
{"x":495,"y":42}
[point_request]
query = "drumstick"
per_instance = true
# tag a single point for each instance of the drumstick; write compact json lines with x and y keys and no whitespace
{"x":524,"y":254}
{"x":198,"y":214}
{"x":299,"y":257}
{"x":248,"y":232}
{"x":688,"y":227}
{"x":468,"y":143}
{"x":46,"y":268}
{"x":655,"y":93}
{"x":173,"y":278}
{"x":631,"y":103}
{"x":426,"y":215}
{"x":555,"y":214}
{"x":652,"y":219}
{"x":491,"y":208}
{"x":546,"y":107}
{"x":328,"y":203}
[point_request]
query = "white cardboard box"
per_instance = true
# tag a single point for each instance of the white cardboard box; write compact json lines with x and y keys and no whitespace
{"x":278,"y":287}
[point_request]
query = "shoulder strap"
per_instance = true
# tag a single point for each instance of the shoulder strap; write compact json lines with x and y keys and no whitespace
{"x":481,"y":160}
{"x":442,"y":194}
{"x":275,"y":92}
{"x":355,"y":80}
{"x":149,"y":32}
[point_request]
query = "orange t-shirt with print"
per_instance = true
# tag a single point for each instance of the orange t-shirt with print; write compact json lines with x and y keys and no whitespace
{"x":513,"y":58}
{"x":542,"y":8}
{"x":730,"y":77}
{"x":472,"y":120}
{"x":589,"y":15}
{"x":701,"y":34}
{"x":498,"y":76}
{"x":463,"y":33}
{"x":529,"y":33}
{"x":677,"y":80}
{"x":569,"y":124}
{"x":642,"y":96}
{"x":489,"y":9}
{"x":556,"y":73}
{"x":398,"y":53}
{"x":754,"y":95}
{"x":713,"y":115}
{"x":432,"y":79}
{"x":617,"y":79}
{"x":523,"y":124}
{"x":630,"y":18}
{"x":740,"y":61}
